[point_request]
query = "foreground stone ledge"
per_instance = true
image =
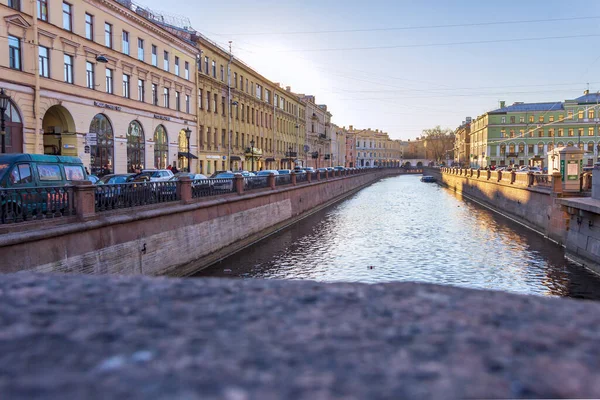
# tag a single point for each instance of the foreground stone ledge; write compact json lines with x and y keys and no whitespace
{"x":66,"y":337}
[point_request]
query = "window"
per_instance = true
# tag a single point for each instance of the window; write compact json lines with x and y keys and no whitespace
{"x":591,"y":114}
{"x":512,"y":133}
{"x":258,"y":91}
{"x":166,"y":61}
{"x":49,"y":172}
{"x":502,"y":119}
{"x":154,"y":94}
{"x":561,"y":132}
{"x":241,"y":82}
{"x":521,"y":147}
{"x":21,"y":174}
{"x":503,"y":133}
{"x":540,"y":147}
{"x":551,"y":118}
{"x":222,"y":74}
{"x":14,"y":52}
{"x":89,"y":26}
{"x":200,"y":98}
{"x":154,"y":56}
{"x":89,"y":75}
{"x":530,"y":148}
{"x":512,"y":120}
{"x":569,"y":114}
{"x":208,"y":97}
{"x":541,"y":118}
{"x":15,"y":4}
{"x":580,"y":132}
{"x":177,"y":101}
{"x":126,"y":92}
{"x":521,"y":119}
{"x":141,"y":91}
{"x":140,"y":54}
{"x":187,"y":103}
{"x":580,"y":114}
{"x":109,"y":80}
{"x":44,"y":54}
{"x":166,"y":97}
{"x":67,"y":17}
{"x":235,"y":82}
{"x":42,"y":9}
{"x":74,"y":172}
{"x":187,"y":70}
{"x":125,"y":46}
{"x":541,"y":132}
{"x":551,"y":132}
{"x":215,"y":103}
{"x":206,"y":65}
{"x":68,"y":68}
{"x":223,"y":106}
{"x":214,"y":69}
{"x":591,"y":131}
{"x":108,"y":35}
{"x":531,"y":119}
{"x":176,"y":65}
{"x":571,"y":132}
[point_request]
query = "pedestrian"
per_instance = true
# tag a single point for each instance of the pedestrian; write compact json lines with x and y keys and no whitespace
{"x":174,"y":170}
{"x":87,"y":171}
{"x":169,"y":167}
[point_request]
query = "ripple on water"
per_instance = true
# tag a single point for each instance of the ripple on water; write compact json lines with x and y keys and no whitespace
{"x":412,"y":231}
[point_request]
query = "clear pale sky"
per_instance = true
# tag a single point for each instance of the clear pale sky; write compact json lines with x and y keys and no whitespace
{"x":404,"y":90}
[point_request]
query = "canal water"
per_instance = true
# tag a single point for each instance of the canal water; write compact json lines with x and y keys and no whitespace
{"x":400,"y":229}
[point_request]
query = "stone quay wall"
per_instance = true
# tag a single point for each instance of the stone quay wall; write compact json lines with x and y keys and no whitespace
{"x":174,"y":239}
{"x":530,"y":200}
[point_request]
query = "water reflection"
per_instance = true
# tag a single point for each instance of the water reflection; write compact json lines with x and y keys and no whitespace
{"x":400,"y":229}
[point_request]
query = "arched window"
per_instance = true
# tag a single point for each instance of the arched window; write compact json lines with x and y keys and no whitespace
{"x":502,"y":149}
{"x":161,"y":147}
{"x":521,"y":147}
{"x":540,"y":149}
{"x":13,"y":140}
{"x":135,"y":147}
{"x":182,"y":144}
{"x":590,"y":147}
{"x":550,"y":147}
{"x":570,"y":144}
{"x":560,"y":144}
{"x":511,"y":148}
{"x":102,"y":153}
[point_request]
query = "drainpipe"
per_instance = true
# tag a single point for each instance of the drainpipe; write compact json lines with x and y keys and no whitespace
{"x":229,"y":107}
{"x":36,"y":73}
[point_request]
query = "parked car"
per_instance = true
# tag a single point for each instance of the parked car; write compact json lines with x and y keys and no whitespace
{"x":113,"y":179}
{"x":339,"y":168}
{"x":24,"y":171}
{"x":225,"y":182}
{"x":267,"y":172}
{"x":93,"y":178}
{"x":198,"y":180}
{"x":284,"y":171}
{"x":220,"y":172}
{"x":309,"y":169}
{"x":322,"y":170}
{"x":157,"y":175}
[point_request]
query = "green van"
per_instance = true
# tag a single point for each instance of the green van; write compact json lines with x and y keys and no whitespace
{"x":35,"y":185}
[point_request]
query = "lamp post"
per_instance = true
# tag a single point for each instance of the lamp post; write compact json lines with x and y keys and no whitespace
{"x":4,"y":98}
{"x":252,"y":152}
{"x":188,"y":135}
{"x":290,"y":156}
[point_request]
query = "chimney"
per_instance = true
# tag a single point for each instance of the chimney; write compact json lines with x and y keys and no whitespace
{"x":502,"y":103}
{"x":288,"y":88}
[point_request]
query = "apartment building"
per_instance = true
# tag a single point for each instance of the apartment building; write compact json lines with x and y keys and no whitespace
{"x":97,"y":79}
{"x":374,"y":148}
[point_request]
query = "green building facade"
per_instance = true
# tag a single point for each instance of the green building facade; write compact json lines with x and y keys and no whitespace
{"x":524,"y":133}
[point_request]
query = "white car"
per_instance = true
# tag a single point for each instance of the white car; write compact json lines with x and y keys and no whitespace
{"x":158,"y":175}
{"x":267,"y":172}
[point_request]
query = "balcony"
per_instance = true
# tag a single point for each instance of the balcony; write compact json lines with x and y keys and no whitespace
{"x":291,"y":154}
{"x":322,"y":136}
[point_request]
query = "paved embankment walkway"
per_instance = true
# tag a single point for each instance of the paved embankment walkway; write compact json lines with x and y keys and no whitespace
{"x":83,"y":337}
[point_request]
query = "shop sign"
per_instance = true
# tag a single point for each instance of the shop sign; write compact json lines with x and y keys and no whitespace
{"x":107,"y":106}
{"x":164,"y":118}
{"x":91,"y":139}
{"x":573,"y":170}
{"x":213,"y":157}
{"x":86,"y":149}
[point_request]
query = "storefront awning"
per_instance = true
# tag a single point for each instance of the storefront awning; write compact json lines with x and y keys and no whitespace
{"x":185,"y":154}
{"x":270,"y":159}
{"x":236,"y":158}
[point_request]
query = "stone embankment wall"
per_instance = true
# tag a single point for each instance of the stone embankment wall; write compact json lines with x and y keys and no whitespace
{"x":174,"y":238}
{"x":517,"y":196}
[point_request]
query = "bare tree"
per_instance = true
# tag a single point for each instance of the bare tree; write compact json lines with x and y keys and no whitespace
{"x":438,"y":142}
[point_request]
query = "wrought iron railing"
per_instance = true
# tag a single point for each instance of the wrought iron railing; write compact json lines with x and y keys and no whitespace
{"x":28,"y":204}
{"x":323,"y":174}
{"x":542,"y":180}
{"x":205,"y":188}
{"x":314,"y":176}
{"x":256,"y":182}
{"x":127,"y":195}
{"x":301,"y":178}
{"x":283,"y":179}
{"x":212,"y":187}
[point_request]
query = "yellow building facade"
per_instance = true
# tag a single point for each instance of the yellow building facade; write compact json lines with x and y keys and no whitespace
{"x":245,"y":121}
{"x":374,"y":148}
{"x":97,"y":79}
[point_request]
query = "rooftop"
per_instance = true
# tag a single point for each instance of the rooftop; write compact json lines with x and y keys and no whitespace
{"x":525,"y":107}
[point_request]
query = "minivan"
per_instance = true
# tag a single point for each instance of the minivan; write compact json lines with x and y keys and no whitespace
{"x":31,"y":184}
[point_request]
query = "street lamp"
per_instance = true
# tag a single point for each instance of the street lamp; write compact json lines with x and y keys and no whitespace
{"x":290,"y":156}
{"x":233,"y":103}
{"x":252,"y":152}
{"x":188,"y":135}
{"x":4,"y":98}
